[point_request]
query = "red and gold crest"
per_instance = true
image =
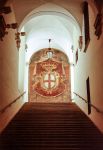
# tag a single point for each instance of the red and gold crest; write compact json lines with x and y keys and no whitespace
{"x":48,"y":78}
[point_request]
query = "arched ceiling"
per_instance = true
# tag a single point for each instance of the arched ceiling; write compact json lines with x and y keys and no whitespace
{"x":45,"y":27}
{"x":50,"y":21}
{"x":24,"y":7}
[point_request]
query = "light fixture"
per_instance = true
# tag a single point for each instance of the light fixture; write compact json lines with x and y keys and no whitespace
{"x":17,"y":38}
{"x":49,"y":51}
{"x":5,"y":10}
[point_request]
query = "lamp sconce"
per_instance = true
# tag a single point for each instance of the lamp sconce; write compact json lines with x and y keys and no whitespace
{"x":4,"y":26}
{"x":98,"y":25}
{"x":80,"y":42}
{"x":26,"y":47}
{"x":12,"y":26}
{"x":5,"y":10}
{"x":17,"y":38}
{"x":72,"y":48}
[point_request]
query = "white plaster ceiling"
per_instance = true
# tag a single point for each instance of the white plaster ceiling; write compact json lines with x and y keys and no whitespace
{"x":42,"y":28}
{"x":24,"y":7}
{"x":50,"y":22}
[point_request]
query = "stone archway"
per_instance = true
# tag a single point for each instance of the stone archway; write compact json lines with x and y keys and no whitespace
{"x":42,"y":24}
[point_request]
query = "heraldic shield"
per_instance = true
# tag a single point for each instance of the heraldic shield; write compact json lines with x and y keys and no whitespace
{"x":49,"y":78}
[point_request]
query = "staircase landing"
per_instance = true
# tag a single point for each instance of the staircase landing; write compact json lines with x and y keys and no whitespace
{"x":51,"y":127}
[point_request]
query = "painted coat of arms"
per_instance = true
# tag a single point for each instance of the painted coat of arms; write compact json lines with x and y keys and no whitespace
{"x":48,"y":78}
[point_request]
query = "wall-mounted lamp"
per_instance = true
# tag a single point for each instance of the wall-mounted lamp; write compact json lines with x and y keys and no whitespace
{"x":3,"y":31}
{"x":80,"y":42}
{"x":12,"y":26}
{"x":4,"y":26}
{"x":5,"y":10}
{"x":17,"y":38}
{"x":26,"y":47}
{"x":72,"y":48}
{"x":98,"y":25}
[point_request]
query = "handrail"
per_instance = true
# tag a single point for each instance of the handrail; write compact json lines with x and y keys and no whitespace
{"x":81,"y":97}
{"x":2,"y":110}
{"x":97,"y":109}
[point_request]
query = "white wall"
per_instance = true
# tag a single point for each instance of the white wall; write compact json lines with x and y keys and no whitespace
{"x":9,"y":74}
{"x":21,"y":67}
{"x":90,"y":64}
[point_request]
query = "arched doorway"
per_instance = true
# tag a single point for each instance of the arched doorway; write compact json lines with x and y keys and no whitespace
{"x":49,"y":77}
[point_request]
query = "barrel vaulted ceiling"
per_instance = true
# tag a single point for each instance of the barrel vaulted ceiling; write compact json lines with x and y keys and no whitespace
{"x":59,"y":20}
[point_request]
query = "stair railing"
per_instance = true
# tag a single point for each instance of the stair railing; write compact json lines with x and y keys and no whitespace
{"x":97,"y":109}
{"x":3,"y":109}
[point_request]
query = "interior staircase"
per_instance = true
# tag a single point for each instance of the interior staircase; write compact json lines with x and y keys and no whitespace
{"x":51,"y":127}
